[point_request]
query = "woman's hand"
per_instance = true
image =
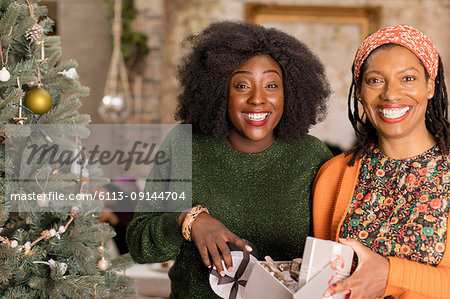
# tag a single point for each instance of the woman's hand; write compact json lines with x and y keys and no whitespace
{"x":210,"y":237}
{"x":370,"y":277}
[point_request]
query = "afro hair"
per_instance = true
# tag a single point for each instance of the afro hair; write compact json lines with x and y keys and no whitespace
{"x":204,"y":75}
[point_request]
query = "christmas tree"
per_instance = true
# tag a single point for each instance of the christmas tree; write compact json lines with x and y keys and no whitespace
{"x":46,"y":252}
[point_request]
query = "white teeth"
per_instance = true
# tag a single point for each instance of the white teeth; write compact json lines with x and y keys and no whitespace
{"x":256,"y":116}
{"x":393,"y":113}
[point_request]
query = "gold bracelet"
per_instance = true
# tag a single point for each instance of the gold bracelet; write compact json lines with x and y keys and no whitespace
{"x":189,"y":220}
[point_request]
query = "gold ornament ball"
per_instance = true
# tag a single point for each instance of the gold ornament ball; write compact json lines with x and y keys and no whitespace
{"x":102,"y":264}
{"x":38,"y":100}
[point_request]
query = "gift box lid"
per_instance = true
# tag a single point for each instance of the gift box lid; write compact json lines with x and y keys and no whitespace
{"x":319,"y":253}
{"x":232,"y":285}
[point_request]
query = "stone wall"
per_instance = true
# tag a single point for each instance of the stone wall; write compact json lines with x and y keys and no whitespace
{"x":150,"y":22}
{"x":84,"y":28}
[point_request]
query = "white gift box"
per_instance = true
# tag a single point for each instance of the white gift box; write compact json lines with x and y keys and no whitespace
{"x":324,"y":263}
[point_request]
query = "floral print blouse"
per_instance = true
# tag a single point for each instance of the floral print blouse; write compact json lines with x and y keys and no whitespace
{"x":400,"y":207}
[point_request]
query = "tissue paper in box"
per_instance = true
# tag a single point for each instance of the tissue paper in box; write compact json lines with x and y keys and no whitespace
{"x":317,"y":273}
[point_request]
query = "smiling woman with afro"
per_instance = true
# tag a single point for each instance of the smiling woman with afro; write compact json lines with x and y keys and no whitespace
{"x":221,"y":48}
{"x":250,"y":94}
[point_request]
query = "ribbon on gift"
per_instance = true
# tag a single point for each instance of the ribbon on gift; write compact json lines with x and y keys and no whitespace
{"x":337,"y":265}
{"x":235,"y":280}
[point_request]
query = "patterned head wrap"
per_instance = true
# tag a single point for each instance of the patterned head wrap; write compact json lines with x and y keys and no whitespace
{"x":403,"y":35}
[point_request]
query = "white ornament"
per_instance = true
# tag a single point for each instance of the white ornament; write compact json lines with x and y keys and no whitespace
{"x":74,"y":209}
{"x":4,"y":75}
{"x":27,"y":245}
{"x":52,"y":232}
{"x":61,"y":229}
{"x":42,"y":201}
{"x":14,"y":244}
{"x":75,"y":168}
{"x":85,"y":172}
{"x":62,"y":268}
{"x":102,"y":264}
{"x":70,"y":74}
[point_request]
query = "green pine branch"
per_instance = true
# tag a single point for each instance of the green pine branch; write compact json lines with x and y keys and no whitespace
{"x":24,"y":273}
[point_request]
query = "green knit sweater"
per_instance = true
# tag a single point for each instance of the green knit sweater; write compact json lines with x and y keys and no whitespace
{"x":262,"y":197}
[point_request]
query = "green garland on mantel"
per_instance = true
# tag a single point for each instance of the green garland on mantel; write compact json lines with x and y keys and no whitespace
{"x":133,"y":44}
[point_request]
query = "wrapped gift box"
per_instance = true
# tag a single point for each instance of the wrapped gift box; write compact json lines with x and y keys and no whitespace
{"x":324,"y":263}
{"x":232,"y":285}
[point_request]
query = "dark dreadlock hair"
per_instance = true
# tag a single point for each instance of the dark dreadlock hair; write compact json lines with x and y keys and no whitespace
{"x":204,"y":76}
{"x":436,"y":116}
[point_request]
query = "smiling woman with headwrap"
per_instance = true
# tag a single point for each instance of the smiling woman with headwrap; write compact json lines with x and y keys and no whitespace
{"x":389,"y":198}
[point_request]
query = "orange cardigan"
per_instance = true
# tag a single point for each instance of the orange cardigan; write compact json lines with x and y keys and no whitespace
{"x":333,"y":190}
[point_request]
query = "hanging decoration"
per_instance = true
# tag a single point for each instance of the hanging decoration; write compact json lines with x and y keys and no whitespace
{"x":42,"y":200}
{"x":133,"y":44}
{"x":4,"y":74}
{"x":70,"y":74}
{"x":75,"y":167}
{"x":34,"y":33}
{"x":38,"y":99}
{"x":102,"y":263}
{"x":46,"y":234}
{"x":79,"y":165}
{"x":61,"y":267}
{"x":21,"y":118}
{"x":116,"y":96}
{"x":84,"y":177}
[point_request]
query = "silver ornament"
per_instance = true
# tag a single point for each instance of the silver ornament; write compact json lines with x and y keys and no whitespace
{"x":70,"y":74}
{"x":61,"y":267}
{"x":113,"y":108}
